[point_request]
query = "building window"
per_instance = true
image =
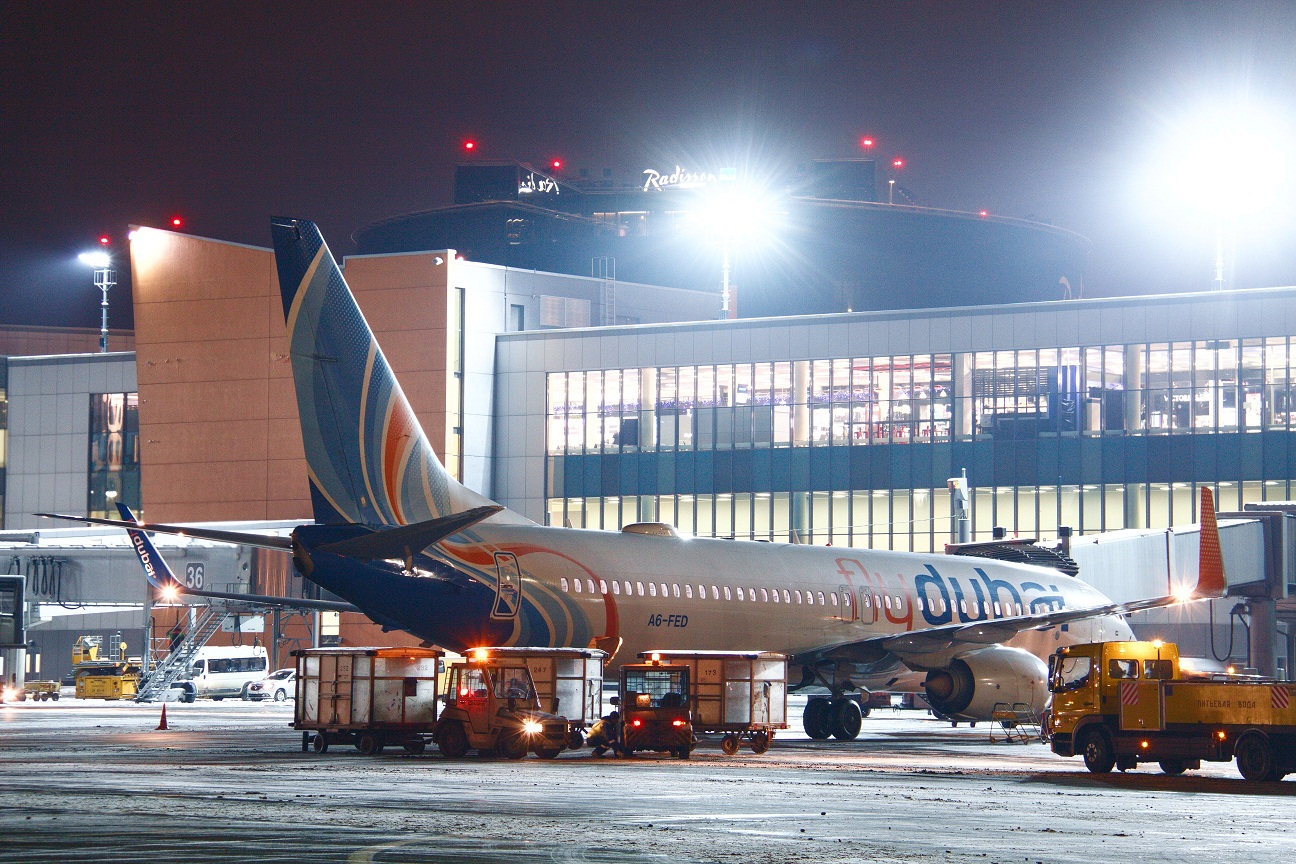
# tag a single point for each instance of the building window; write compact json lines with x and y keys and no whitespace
{"x":114,"y":454}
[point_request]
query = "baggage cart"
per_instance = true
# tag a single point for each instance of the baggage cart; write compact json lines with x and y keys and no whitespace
{"x":369,"y":697}
{"x":741,"y":695}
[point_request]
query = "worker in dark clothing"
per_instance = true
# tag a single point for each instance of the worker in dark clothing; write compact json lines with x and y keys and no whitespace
{"x":605,"y":734}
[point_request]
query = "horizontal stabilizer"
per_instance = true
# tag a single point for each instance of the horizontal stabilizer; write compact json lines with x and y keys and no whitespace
{"x":406,"y":541}
{"x":269,"y":600}
{"x":264,"y":541}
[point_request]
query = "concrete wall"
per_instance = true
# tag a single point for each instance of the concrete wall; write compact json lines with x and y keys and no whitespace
{"x":49,"y":423}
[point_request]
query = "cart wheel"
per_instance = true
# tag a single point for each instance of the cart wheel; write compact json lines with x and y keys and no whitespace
{"x":415,"y":747}
{"x":319,"y":743}
{"x":451,"y":740}
{"x":548,"y":754}
{"x":369,"y":744}
{"x":576,"y":740}
{"x":54,"y":696}
{"x":760,"y":742}
{"x":683,"y":752}
{"x":729,"y":745}
{"x":512,"y":745}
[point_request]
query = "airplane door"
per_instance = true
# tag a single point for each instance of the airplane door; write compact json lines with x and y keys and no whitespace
{"x":508,"y":590}
{"x":848,"y":610}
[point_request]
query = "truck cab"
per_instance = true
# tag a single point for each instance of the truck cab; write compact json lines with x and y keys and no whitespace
{"x":491,"y":706}
{"x":654,"y":706}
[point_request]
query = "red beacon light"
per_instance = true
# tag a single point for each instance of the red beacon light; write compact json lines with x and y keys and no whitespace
{"x":176,"y":221}
{"x":866,"y":142}
{"x":470,"y":145}
{"x":984,"y":213}
{"x":104,"y":240}
{"x":556,"y":164}
{"x":897,"y":163}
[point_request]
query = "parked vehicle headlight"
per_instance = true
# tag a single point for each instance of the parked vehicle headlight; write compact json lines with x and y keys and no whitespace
{"x":531,"y":727}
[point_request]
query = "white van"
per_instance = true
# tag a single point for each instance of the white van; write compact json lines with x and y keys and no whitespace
{"x":226,"y":671}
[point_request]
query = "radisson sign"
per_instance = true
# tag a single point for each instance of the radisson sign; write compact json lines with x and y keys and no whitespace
{"x":680,"y":178}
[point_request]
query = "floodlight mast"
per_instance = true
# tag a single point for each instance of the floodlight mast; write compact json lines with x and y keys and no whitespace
{"x":104,"y":278}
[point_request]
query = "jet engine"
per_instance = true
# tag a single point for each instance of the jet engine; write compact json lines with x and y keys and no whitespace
{"x":972,"y":685}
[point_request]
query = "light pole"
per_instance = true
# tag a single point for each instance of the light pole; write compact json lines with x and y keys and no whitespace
{"x":104,"y":278}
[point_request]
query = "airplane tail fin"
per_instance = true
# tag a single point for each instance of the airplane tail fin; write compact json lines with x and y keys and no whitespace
{"x":1210,"y":560}
{"x":155,"y":568}
{"x":369,"y":459}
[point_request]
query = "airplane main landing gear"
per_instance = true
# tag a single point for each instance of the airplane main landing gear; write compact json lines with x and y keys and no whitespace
{"x":839,"y":718}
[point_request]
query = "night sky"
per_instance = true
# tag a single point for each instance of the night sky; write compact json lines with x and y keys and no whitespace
{"x":228,"y":113}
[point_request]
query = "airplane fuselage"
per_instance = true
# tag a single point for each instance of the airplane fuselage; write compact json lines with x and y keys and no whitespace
{"x":627,"y":593}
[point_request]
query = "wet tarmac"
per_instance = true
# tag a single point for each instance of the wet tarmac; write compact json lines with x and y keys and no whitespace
{"x":93,"y":781}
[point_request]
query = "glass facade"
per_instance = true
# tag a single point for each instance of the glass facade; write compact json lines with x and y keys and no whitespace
{"x":114,"y":454}
{"x":856,"y":451}
{"x":4,"y":430}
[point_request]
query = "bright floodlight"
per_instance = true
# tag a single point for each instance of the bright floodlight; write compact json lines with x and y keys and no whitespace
{"x":95,"y":259}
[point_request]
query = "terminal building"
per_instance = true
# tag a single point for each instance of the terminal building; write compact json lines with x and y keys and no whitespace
{"x":844,"y":429}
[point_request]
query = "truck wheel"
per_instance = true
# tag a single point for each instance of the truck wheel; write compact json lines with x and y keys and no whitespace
{"x":683,"y":752}
{"x":729,"y":745}
{"x":415,"y":747}
{"x":1255,"y":759}
{"x":548,"y":754}
{"x":512,"y":745}
{"x":845,"y":719}
{"x":369,"y":744}
{"x":1174,"y":767}
{"x":815,"y":719}
{"x":452,"y":741}
{"x":319,"y":743}
{"x":1099,"y":756}
{"x":760,"y":742}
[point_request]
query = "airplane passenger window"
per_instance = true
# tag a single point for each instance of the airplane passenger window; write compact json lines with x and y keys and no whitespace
{"x":602,"y":587}
{"x":888,"y":602}
{"x":877,"y":601}
{"x":774,"y":592}
{"x":639,"y":585}
{"x":787,"y":598}
{"x":899,"y":604}
{"x":740,"y":593}
{"x":798,"y":595}
{"x":675,"y":590}
{"x":688,"y":591}
{"x":565,"y":586}
{"x":701,"y":592}
{"x":652,"y":589}
{"x":1019,"y":609}
{"x":764,"y":595}
{"x":616,"y":587}
{"x":997,"y":613}
{"x":919,"y":604}
{"x":868,"y":603}
{"x":663,"y":587}
{"x":630,"y":589}
{"x":845,"y":599}
{"x":726,"y":591}
{"x":809,"y":598}
{"x":833,"y":595}
{"x":590,"y":584}
{"x":579,"y":589}
{"x":985,"y":606}
{"x":821,"y":598}
{"x":963,"y":606}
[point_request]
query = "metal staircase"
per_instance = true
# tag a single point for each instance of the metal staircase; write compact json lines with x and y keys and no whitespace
{"x":178,"y":661}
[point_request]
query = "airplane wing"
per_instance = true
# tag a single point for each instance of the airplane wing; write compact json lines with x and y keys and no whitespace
{"x":978,"y":634}
{"x":264,"y":541}
{"x":159,"y":575}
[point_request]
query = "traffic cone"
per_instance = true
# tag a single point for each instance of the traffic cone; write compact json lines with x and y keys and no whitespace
{"x":162,"y":727}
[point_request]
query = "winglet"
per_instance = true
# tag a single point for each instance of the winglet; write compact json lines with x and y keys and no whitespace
{"x":1210,"y":561}
{"x":155,"y":568}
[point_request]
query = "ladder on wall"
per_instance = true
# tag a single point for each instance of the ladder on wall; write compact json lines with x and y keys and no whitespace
{"x":177,"y":662}
{"x":604,"y":269}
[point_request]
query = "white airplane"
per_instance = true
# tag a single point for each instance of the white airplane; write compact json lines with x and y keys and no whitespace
{"x":398,"y":537}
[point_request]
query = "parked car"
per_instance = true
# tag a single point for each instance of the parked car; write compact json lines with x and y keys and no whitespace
{"x":278,"y":686}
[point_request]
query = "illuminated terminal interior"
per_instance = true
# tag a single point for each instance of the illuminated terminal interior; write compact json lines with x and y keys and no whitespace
{"x":856,"y":450}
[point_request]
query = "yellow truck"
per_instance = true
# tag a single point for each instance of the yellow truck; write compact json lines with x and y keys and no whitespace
{"x":1121,"y":703}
